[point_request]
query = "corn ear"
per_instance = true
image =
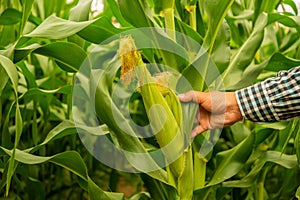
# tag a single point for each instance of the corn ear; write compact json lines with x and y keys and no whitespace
{"x":162,"y":120}
{"x":175,"y":106}
{"x":165,"y":115}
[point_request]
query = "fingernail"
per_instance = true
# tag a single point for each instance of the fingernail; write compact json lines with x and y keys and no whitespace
{"x":181,"y":96}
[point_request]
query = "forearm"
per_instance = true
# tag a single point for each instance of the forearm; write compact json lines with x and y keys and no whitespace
{"x":274,"y":99}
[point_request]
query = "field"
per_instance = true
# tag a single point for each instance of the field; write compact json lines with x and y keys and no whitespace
{"x":89,"y":107}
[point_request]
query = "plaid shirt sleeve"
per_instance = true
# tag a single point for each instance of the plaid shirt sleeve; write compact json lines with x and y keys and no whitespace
{"x":274,"y":99}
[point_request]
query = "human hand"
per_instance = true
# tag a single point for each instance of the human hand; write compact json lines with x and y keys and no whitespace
{"x":216,"y":109}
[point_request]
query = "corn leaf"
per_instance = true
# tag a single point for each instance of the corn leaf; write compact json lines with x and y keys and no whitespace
{"x":109,"y":113}
{"x":99,"y":31}
{"x":57,"y":28}
{"x":27,"y":5}
{"x":81,"y":11}
{"x":298,"y":193}
{"x":245,"y":54}
{"x":287,"y":161}
{"x":70,"y":160}
{"x":117,"y":13}
{"x":297,"y":142}
{"x":289,"y":21}
{"x":10,"y":16}
{"x":199,"y":73}
{"x":230,"y":162}
{"x":141,"y":12}
{"x":69,"y":55}
{"x":216,"y":12}
{"x":264,"y":6}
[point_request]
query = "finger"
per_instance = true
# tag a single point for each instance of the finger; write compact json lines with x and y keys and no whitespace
{"x":197,"y":117}
{"x":197,"y":130}
{"x":193,"y":96}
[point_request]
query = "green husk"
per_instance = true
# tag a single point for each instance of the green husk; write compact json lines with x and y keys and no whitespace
{"x":165,"y":115}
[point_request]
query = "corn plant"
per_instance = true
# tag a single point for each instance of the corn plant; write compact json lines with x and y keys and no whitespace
{"x":52,"y":51}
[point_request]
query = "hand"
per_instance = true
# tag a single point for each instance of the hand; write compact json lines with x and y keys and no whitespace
{"x":216,"y":109}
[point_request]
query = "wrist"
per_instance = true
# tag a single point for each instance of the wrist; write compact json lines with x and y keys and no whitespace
{"x":233,"y":106}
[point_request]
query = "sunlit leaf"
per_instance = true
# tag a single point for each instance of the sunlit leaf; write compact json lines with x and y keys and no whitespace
{"x":57,"y":28}
{"x":81,"y":11}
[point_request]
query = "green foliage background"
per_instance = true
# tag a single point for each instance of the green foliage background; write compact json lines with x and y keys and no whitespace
{"x":43,"y":43}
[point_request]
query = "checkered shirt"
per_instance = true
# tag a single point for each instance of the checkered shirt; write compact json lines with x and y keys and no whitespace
{"x":274,"y":99}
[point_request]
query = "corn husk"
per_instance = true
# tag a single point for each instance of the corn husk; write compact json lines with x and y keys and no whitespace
{"x":165,"y":115}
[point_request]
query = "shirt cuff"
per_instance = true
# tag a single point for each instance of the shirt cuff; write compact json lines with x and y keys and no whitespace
{"x":255,"y":104}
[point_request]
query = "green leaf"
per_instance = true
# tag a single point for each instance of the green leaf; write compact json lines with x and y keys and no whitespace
{"x":117,"y":13}
{"x":96,"y":194}
{"x":285,"y":135}
{"x":4,"y":79}
{"x":12,"y":73}
{"x":19,"y":124}
{"x":287,"y":161}
{"x":159,"y":190}
{"x":27,"y":5}
{"x":245,"y":54}
{"x":239,"y":132}
{"x":264,"y":6}
{"x":10,"y":171}
{"x":67,"y":89}
{"x":292,"y":4}
{"x":30,"y":79}
{"x":141,"y":195}
{"x":297,"y":142}
{"x":289,"y":21}
{"x":21,"y":53}
{"x":99,"y":31}
{"x":230,"y":162}
{"x":216,"y":12}
{"x":69,"y":55}
{"x":109,"y":113}
{"x":276,"y":63}
{"x":57,"y":28}
{"x":140,"y":17}
{"x":187,"y":30}
{"x":12,"y":16}
{"x":297,"y":195}
{"x":61,"y":130}
{"x":280,"y":62}
{"x":161,"y":5}
{"x":81,"y":11}
{"x":66,"y":128}
{"x":69,"y":160}
{"x":221,"y":49}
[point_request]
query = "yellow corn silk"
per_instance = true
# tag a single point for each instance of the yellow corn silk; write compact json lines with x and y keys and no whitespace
{"x":130,"y":58}
{"x":164,"y":112}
